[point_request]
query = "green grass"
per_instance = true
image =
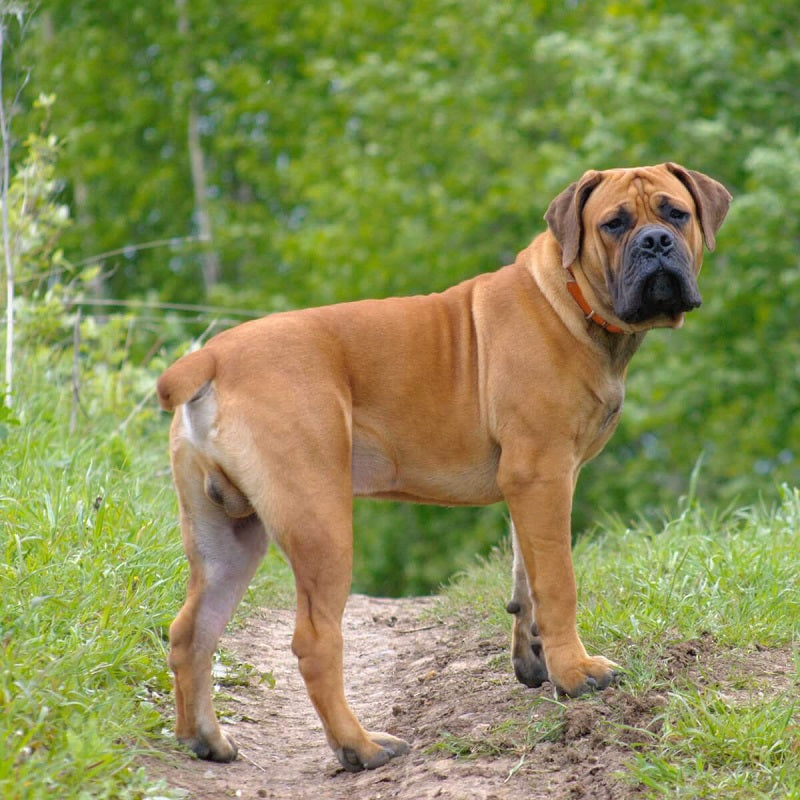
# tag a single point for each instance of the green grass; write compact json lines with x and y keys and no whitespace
{"x":735,"y":576}
{"x":732,"y":580}
{"x":92,"y":572}
{"x":712,"y":748}
{"x":543,"y":723}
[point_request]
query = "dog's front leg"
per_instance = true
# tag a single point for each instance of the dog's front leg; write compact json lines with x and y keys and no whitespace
{"x":527,"y":653}
{"x":540,"y":508}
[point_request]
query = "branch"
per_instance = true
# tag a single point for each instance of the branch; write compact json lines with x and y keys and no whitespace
{"x":157,"y":306}
{"x":134,"y":248}
{"x":197,"y":165}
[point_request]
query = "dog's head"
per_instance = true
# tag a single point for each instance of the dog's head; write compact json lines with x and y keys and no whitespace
{"x":638,"y":236}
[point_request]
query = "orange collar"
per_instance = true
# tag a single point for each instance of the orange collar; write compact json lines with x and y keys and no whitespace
{"x":588,"y":312}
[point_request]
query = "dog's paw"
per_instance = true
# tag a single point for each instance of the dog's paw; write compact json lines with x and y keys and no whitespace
{"x":384,"y":748}
{"x":223,"y":749}
{"x":527,"y":653}
{"x":527,"y":658}
{"x":591,"y":674}
{"x":530,"y":669}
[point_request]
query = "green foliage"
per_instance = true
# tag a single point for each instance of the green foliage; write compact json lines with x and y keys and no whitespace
{"x":364,"y":149}
{"x":408,"y":549}
{"x":91,"y":565}
{"x":36,"y":218}
{"x":88,"y":583}
{"x":7,"y":421}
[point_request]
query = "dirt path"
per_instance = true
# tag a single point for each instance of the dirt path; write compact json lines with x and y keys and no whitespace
{"x":411,"y":678}
{"x":432,"y":683}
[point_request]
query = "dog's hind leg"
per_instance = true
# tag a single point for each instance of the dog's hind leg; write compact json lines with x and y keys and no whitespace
{"x":223,"y":554}
{"x":527,"y":655}
{"x":317,"y":539}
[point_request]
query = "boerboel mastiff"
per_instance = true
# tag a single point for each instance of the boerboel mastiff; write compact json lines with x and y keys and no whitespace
{"x":499,"y":388}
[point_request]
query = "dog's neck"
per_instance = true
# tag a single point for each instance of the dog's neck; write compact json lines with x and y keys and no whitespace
{"x":542,"y":259}
{"x":620,"y":347}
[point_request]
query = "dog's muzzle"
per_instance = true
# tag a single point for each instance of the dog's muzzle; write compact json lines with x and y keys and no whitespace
{"x":657,"y":277}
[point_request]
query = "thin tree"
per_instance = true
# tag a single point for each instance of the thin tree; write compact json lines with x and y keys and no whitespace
{"x":197,"y":166}
{"x":9,"y":261}
{"x":8,"y":10}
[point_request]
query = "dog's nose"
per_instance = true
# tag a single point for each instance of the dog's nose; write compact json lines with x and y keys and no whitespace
{"x":654,"y":239}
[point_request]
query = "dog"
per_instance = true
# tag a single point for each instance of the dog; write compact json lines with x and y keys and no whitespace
{"x":499,"y":388}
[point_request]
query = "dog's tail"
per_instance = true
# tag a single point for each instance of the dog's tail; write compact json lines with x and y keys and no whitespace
{"x":180,"y":382}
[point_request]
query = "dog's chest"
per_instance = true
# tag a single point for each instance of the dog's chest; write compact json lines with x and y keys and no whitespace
{"x":602,"y":423}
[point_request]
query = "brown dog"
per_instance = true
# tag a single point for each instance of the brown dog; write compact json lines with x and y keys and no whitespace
{"x":498,"y":388}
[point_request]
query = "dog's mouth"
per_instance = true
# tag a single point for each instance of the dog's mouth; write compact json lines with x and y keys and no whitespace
{"x":663,"y":292}
{"x":656,"y":279}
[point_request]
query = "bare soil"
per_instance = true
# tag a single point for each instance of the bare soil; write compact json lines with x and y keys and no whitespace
{"x":450,"y":693}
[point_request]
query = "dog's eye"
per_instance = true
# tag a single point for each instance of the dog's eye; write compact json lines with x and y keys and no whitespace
{"x":615,"y":225}
{"x":677,"y":215}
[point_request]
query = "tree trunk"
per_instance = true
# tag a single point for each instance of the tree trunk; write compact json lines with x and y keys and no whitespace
{"x":211,"y":263}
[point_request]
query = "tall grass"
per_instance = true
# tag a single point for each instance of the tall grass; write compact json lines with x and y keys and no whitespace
{"x":733,"y":574}
{"x":91,"y":573}
{"x":713,"y":748}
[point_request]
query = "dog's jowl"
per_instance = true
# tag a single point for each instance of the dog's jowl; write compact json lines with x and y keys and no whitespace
{"x":499,"y":388}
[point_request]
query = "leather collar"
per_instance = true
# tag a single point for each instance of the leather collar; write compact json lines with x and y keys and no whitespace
{"x":588,"y":311}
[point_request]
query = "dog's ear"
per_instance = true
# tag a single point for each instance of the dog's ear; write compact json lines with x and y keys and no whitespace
{"x":564,"y":215}
{"x":710,"y":197}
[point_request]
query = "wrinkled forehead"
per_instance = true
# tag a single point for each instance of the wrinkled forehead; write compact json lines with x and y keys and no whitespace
{"x":641,"y":189}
